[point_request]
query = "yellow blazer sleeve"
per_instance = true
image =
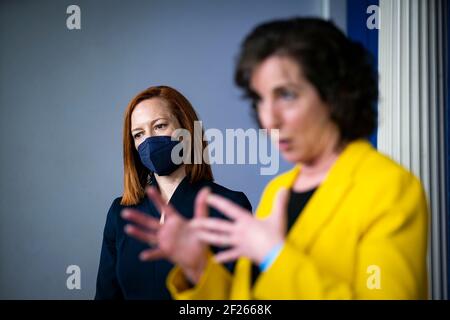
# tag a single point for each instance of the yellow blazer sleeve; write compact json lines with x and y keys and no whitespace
{"x":390,"y":258}
{"x":214,"y":284}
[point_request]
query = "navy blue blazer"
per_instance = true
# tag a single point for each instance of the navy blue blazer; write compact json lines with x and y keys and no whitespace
{"x":121,"y":275}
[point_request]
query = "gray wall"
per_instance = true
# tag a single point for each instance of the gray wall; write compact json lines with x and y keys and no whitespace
{"x":62,"y":97}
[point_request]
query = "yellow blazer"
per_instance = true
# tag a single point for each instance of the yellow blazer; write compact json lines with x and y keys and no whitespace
{"x":362,"y":235}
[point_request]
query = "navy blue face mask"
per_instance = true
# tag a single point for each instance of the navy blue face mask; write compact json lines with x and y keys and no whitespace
{"x":155,"y":153}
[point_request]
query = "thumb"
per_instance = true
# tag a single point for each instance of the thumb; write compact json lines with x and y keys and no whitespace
{"x":201,"y":206}
{"x":279,"y":211}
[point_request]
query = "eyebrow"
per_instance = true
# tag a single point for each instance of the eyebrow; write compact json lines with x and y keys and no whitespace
{"x":138,"y":127}
{"x":287,"y":84}
{"x":252,"y":94}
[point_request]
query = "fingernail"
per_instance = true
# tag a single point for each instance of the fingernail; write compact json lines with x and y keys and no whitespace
{"x":127,"y":228}
{"x":125,"y":214}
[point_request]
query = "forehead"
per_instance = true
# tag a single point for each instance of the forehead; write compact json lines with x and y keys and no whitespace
{"x":150,"y":109}
{"x":275,"y":71}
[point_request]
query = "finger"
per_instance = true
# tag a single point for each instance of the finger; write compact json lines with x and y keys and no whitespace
{"x":141,"y":219}
{"x":201,"y":206}
{"x":227,"y":256}
{"x":160,"y":204}
{"x":140,"y":234}
{"x":282,"y":200}
{"x":151,"y":254}
{"x":213,"y":224}
{"x":280,"y":208}
{"x":227,"y":207}
{"x":215,"y":239}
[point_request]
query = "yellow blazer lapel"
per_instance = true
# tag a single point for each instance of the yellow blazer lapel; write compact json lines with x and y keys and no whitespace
{"x":328,"y":196}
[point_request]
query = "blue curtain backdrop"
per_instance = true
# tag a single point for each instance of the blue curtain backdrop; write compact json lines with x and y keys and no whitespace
{"x":357,"y":30}
{"x":447,"y":140}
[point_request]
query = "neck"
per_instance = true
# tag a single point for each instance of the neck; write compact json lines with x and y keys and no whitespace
{"x":314,"y":172}
{"x":168,"y":184}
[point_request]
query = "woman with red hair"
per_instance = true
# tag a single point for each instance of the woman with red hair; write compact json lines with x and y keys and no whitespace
{"x":151,"y":119}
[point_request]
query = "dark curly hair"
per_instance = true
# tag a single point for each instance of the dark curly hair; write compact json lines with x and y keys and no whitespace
{"x":341,"y":70}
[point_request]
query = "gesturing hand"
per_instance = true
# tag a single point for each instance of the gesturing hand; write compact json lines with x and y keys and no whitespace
{"x":245,"y":235}
{"x":176,"y":239}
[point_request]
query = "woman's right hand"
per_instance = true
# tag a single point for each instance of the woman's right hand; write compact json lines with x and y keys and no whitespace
{"x":175,"y":239}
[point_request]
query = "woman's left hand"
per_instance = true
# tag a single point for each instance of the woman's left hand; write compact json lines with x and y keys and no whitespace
{"x":245,"y":235}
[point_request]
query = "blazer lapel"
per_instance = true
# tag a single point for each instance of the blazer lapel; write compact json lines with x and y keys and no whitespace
{"x":328,"y":196}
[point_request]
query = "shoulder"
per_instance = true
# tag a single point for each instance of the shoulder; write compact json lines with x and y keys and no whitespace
{"x":370,"y":170}
{"x":394,"y":197}
{"x":237,"y":197}
{"x":115,"y":210}
{"x":115,"y":206}
{"x":386,"y":189}
{"x":112,"y":217}
{"x":383,"y":173}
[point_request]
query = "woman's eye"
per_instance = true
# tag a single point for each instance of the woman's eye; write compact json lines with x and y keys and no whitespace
{"x":160,"y":126}
{"x":288,"y":95}
{"x":137,"y":135}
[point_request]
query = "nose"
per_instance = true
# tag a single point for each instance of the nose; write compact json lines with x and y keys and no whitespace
{"x":269,"y":116}
{"x":148,"y":132}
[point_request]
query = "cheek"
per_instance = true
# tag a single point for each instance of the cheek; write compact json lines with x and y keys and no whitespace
{"x":170,"y":131}
{"x":138,"y":141}
{"x":296,"y":121}
{"x":307,"y":119}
